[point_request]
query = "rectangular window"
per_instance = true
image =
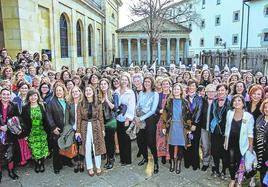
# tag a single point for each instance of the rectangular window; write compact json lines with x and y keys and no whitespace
{"x":217,"y":20}
{"x":217,"y":40}
{"x":236,"y":16}
{"x":218,"y":2}
{"x":265,"y":37}
{"x":202,"y":23}
{"x":190,"y":43}
{"x":203,"y":3}
{"x":235,"y":39}
{"x":202,"y":42}
{"x":266,"y":11}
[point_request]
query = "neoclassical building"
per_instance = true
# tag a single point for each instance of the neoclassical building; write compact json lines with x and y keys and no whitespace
{"x":75,"y":32}
{"x":134,"y":44}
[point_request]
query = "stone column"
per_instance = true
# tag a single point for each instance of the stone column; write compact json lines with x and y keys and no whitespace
{"x":186,"y":48}
{"x":159,"y":51}
{"x":168,"y":51}
{"x":120,"y":49}
{"x":177,"y":51}
{"x":139,"y":50}
{"x":148,"y":51}
{"x":129,"y":51}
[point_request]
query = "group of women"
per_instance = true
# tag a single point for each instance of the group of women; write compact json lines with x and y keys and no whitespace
{"x":175,"y":113}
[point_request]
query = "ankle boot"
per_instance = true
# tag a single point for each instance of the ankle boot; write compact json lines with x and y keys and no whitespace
{"x":156,"y":167}
{"x":42,"y":166}
{"x":110,"y":164}
{"x":172,"y":165}
{"x":178,"y":166}
{"x":12,"y":174}
{"x":0,"y":176}
{"x":37,"y":166}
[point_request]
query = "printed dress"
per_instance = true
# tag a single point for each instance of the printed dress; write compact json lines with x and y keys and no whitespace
{"x":38,"y":137}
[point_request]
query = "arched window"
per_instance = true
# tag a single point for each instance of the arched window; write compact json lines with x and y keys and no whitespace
{"x":89,"y":41}
{"x":78,"y":39}
{"x":63,"y":37}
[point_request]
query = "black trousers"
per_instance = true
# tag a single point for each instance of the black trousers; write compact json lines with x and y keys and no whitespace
{"x":147,"y":137}
{"x":109,"y":142}
{"x":219,"y":153}
{"x":235,"y":157}
{"x":191,"y":154}
{"x":180,"y":152}
{"x":124,"y":143}
{"x":58,"y":160}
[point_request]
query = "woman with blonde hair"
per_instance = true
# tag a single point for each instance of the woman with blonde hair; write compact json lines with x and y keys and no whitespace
{"x":175,"y":117}
{"x":75,"y":97}
{"x":58,"y":115}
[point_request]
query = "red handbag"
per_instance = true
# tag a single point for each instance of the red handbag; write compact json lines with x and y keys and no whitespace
{"x":70,"y":152}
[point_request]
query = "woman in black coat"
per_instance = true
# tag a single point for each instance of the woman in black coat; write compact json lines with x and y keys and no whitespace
{"x":58,"y":114}
{"x":8,"y":141}
{"x":33,"y":117}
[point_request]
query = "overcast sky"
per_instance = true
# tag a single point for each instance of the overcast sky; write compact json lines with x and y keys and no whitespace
{"x":124,"y":14}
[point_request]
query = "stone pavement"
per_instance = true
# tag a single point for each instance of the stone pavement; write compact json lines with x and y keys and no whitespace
{"x":133,"y":175}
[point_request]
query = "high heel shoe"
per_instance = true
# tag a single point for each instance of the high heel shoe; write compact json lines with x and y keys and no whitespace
{"x":12,"y":174}
{"x":178,"y":166}
{"x":172,"y":165}
{"x":156,"y":168}
{"x":81,"y":168}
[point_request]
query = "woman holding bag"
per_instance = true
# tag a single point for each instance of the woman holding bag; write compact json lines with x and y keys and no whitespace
{"x":238,"y":134}
{"x":34,"y":119}
{"x":58,"y":115}
{"x":90,"y":127}
{"x":109,"y":106}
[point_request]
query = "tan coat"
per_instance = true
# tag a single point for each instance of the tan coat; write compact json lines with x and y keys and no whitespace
{"x":97,"y":127}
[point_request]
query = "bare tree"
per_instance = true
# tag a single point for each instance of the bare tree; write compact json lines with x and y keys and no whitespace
{"x":155,"y":13}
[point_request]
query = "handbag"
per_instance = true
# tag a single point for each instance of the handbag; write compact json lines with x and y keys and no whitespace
{"x":70,"y":152}
{"x":66,"y":138}
{"x":111,"y":124}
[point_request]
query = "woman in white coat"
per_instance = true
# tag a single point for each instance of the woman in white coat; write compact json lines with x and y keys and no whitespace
{"x":238,"y":134}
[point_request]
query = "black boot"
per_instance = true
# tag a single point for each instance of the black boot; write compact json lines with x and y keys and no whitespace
{"x":42,"y":166}
{"x":163,"y":160}
{"x":178,"y":166}
{"x":156,"y":167}
{"x":0,"y":176}
{"x":142,"y":162}
{"x":110,"y":164}
{"x":172,"y":165}
{"x":37,"y":166}
{"x":12,"y":174}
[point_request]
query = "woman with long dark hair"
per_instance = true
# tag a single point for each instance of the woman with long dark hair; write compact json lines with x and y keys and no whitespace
{"x":109,"y":106}
{"x":90,"y":128}
{"x":35,"y":128}
{"x":238,"y":134}
{"x":8,"y":140}
{"x":147,"y":104}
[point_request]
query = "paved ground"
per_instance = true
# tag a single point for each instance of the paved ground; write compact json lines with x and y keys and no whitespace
{"x":119,"y":176}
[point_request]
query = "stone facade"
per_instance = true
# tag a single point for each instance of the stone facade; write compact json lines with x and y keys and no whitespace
{"x":35,"y":25}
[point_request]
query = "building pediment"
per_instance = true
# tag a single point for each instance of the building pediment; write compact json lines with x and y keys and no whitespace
{"x":141,"y":27}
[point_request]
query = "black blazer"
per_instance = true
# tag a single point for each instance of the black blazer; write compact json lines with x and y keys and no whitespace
{"x":27,"y":121}
{"x":55,"y":115}
{"x":204,"y":114}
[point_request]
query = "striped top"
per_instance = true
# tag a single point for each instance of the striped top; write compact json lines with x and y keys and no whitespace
{"x":260,"y":143}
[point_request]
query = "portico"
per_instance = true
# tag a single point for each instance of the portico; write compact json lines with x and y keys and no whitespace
{"x":134,"y":44}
